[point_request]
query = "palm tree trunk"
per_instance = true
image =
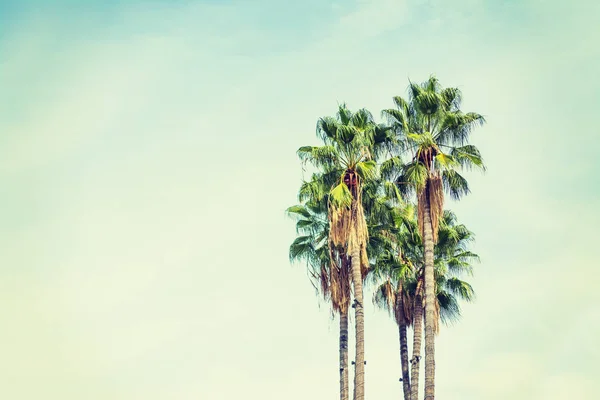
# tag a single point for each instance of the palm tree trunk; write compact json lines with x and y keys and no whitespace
{"x":359,"y":372}
{"x":344,"y":355}
{"x":404,"y":360}
{"x":417,"y":336}
{"x":429,"y":304}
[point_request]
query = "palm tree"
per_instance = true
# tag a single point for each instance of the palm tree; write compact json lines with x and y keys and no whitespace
{"x":392,"y":270}
{"x":393,"y":296}
{"x":330,"y":278}
{"x":400,"y":293}
{"x":352,"y":142}
{"x":403,"y":295}
{"x":435,"y":133}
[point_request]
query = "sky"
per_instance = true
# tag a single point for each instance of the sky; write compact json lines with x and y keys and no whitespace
{"x":147,"y":156}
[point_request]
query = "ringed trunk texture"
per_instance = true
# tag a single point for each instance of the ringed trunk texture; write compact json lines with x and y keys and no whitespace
{"x":429,"y":305}
{"x":404,"y":360}
{"x":417,"y":337}
{"x":344,"y":355}
{"x":359,"y":371}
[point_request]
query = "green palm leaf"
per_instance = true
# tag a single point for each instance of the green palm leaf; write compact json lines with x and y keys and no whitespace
{"x":341,"y":195}
{"x":367,"y":170}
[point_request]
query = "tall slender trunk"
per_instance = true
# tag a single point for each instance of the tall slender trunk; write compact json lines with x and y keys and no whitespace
{"x":403,"y":350}
{"x":417,"y":337}
{"x":359,"y":371}
{"x":429,"y":304}
{"x":344,"y":355}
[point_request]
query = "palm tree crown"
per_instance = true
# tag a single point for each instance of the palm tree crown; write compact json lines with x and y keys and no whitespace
{"x":434,"y":132}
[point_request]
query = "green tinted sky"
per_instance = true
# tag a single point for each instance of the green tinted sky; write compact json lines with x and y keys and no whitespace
{"x":147,"y":154}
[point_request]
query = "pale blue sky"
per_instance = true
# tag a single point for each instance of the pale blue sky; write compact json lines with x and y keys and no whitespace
{"x":147,"y":154}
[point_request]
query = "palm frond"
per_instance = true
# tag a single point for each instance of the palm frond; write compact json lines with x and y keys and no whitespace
{"x":397,"y":118}
{"x":302,"y":248}
{"x":324,"y":157}
{"x":311,"y":190}
{"x":346,"y":133}
{"x":402,"y":105}
{"x":367,"y":170}
{"x":455,"y":184}
{"x":460,"y":289}
{"x":468,"y":156}
{"x":344,"y":114}
{"x":445,"y":161}
{"x":448,"y":307}
{"x":385,"y":297}
{"x":327,"y":129}
{"x":341,"y":195}
{"x":452,"y":98}
{"x":298,"y":211}
{"x":362,"y":119}
{"x":455,"y":127}
{"x":414,"y":177}
{"x":391,"y":168}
